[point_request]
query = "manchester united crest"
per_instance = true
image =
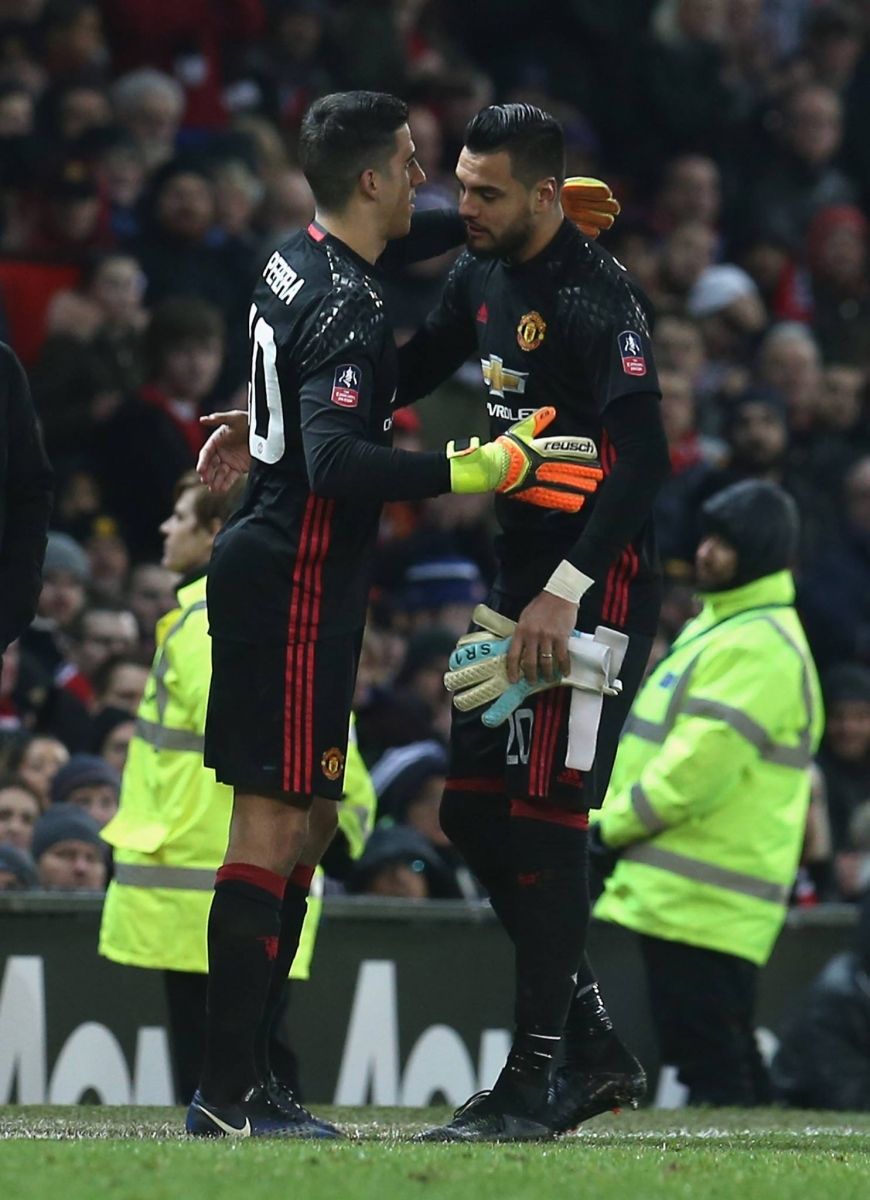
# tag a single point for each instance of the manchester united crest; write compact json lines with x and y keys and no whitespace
{"x":531,"y":330}
{"x":332,"y":763}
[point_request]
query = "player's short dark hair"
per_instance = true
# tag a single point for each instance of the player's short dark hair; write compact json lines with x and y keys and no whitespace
{"x":209,"y":506}
{"x":344,"y":134}
{"x":533,"y":139}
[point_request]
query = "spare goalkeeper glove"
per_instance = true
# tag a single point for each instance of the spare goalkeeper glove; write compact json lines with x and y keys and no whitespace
{"x":553,"y":472}
{"x":590,"y":204}
{"x":478,"y":668}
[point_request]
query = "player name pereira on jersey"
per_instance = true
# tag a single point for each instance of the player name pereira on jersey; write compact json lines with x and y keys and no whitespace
{"x":293,"y":563}
{"x":568,"y":328}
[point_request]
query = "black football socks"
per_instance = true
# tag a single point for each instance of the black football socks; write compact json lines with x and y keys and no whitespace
{"x":244,"y":929}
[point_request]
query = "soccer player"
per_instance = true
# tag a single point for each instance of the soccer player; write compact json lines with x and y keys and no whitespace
{"x":554,"y":319}
{"x":289,"y":574}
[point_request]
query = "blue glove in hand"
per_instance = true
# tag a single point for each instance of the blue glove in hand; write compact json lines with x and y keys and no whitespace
{"x":478,"y":670}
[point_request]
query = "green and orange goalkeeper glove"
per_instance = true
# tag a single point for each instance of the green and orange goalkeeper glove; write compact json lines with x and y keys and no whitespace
{"x":590,"y":204}
{"x":551,"y":472}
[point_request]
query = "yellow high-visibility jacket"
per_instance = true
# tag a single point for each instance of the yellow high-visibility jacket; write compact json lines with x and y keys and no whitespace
{"x":170,"y":833}
{"x":711,"y":785}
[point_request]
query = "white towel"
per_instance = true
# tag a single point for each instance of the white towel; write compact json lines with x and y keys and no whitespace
{"x":596,"y":661}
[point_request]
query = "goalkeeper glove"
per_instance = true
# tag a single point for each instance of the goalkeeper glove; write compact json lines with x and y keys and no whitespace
{"x":478,"y":669}
{"x":590,"y":204}
{"x":553,"y":472}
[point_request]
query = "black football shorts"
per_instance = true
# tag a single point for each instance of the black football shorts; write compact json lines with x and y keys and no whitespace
{"x":278,"y":715}
{"x":524,"y":759}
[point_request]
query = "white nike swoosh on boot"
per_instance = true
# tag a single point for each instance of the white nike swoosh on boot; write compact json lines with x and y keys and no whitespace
{"x":231,"y":1130}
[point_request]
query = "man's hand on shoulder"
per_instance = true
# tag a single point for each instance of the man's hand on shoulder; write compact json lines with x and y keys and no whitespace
{"x":225,"y":456}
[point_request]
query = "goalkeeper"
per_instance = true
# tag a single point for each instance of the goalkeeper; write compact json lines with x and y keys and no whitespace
{"x":554,"y":320}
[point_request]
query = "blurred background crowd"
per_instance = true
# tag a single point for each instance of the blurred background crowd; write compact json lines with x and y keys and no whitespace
{"x":148,"y":169}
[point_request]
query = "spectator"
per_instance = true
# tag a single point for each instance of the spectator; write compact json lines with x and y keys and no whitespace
{"x":823,"y":1061}
{"x":844,"y":759}
{"x":66,"y":573}
{"x":109,"y":560}
{"x":757,"y":434}
{"x":688,"y":251}
{"x":119,"y":683}
{"x":92,"y":355}
{"x":101,"y":633}
{"x":636,"y":246}
{"x":79,"y":114}
{"x":833,"y":45}
{"x":20,"y":807}
{"x":155,"y":437}
{"x":687,"y":103}
{"x":782,"y":193}
{"x":410,"y":783}
{"x":399,"y":862}
{"x":385,"y":717}
{"x":37,"y":760}
{"x":121,"y":171}
{"x":442,"y":592}
{"x":790,"y":363}
{"x":730,"y":314}
{"x":692,"y":456}
{"x":89,"y":783}
{"x":112,"y":730}
{"x":679,"y":346}
{"x":837,"y":249}
{"x":691,"y":191}
{"x":151,"y":594}
{"x":149,"y":105}
{"x":835,"y":591}
{"x":17,"y":870}
{"x":289,"y":69}
{"x":180,"y":256}
{"x":69,"y":854}
{"x":192,"y":40}
{"x":69,"y":220}
{"x":74,"y":41}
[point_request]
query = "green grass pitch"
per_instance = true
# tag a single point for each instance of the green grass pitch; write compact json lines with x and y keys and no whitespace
{"x":141,"y":1154}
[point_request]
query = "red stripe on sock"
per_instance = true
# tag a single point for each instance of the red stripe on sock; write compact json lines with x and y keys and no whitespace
{"x":269,"y":881}
{"x":549,"y":812}
{"x":301,"y":876}
{"x":474,"y":785}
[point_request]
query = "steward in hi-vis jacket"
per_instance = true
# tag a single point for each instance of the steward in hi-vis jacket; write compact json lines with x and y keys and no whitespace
{"x":705,"y":815}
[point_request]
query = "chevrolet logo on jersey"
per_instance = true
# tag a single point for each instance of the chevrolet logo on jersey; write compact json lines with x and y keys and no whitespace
{"x":502,"y":379}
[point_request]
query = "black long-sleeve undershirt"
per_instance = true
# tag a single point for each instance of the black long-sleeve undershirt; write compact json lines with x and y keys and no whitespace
{"x":625,"y":498}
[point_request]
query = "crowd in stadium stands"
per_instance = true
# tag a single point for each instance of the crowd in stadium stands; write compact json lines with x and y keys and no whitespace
{"x":147,"y":170}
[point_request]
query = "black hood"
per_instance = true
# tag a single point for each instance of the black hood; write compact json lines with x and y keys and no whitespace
{"x":760,"y":521}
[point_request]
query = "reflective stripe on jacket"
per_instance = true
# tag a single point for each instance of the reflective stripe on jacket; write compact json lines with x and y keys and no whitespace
{"x":710,"y":789}
{"x":170,"y":833}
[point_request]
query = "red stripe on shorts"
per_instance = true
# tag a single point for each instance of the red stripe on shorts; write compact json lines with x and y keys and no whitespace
{"x":292,"y":635}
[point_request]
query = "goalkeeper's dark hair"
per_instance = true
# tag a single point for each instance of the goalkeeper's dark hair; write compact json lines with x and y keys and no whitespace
{"x":533,"y":139}
{"x":343,"y":135}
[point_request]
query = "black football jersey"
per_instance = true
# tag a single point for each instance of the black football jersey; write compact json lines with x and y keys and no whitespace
{"x":293,"y":562}
{"x":568,"y":328}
